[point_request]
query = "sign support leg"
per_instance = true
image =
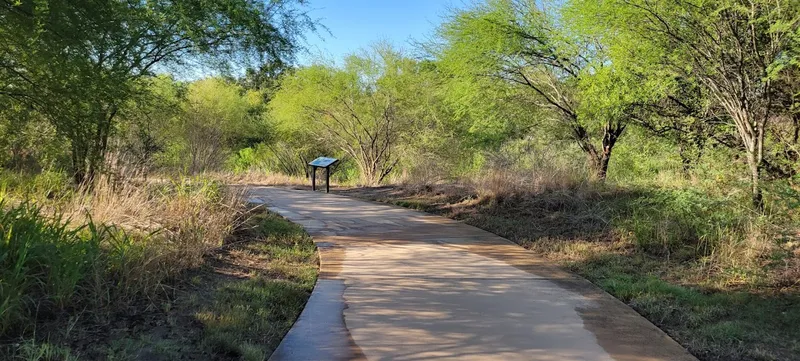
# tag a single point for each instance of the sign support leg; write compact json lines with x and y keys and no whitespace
{"x":313,"y":178}
{"x":327,"y":179}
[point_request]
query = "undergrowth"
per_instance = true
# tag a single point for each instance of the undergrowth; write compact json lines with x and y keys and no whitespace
{"x":66,"y":253}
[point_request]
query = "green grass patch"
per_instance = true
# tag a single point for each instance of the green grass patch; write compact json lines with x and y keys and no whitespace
{"x":712,"y":325}
{"x":32,"y":351}
{"x":413,"y":204}
{"x":248,"y":318}
{"x":44,"y":263}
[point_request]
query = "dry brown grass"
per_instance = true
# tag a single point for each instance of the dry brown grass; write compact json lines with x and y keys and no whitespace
{"x":153,"y":231}
{"x":259,"y":178}
{"x":176,"y":294}
{"x":502,"y":182}
{"x":496,"y":182}
{"x":93,"y":258}
{"x":190,"y":214}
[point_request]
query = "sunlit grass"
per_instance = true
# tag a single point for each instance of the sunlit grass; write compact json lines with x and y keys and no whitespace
{"x":249,"y":317}
{"x":726,"y":325}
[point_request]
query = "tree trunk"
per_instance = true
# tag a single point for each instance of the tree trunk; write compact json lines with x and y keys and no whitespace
{"x":686,"y":161}
{"x":581,"y":136}
{"x":598,"y":161}
{"x":385,"y":172}
{"x":78,"y":158}
{"x":89,"y":148}
{"x":611,"y":134}
{"x":594,"y":162}
{"x":752,"y":135}
{"x":602,"y":170}
{"x":757,"y":196}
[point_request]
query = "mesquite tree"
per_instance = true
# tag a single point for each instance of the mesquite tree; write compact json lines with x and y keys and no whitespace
{"x":521,"y":43}
{"x":76,"y":61}
{"x":365,"y":107}
{"x":736,"y":50}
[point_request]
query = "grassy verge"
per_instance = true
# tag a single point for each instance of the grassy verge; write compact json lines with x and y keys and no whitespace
{"x":722,"y":283}
{"x":237,"y":306}
{"x":248,"y":316}
{"x":144,"y":272}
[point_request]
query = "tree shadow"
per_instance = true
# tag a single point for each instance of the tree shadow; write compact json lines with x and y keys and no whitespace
{"x":665,"y":275}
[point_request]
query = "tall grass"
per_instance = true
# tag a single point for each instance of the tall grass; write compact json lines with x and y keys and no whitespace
{"x":100,"y":251}
{"x":510,"y":182}
{"x":42,"y":261}
{"x":45,"y":185}
{"x":714,"y":232}
{"x":260,"y":177}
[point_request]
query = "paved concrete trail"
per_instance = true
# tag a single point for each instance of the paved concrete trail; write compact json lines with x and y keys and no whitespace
{"x":397,"y":284}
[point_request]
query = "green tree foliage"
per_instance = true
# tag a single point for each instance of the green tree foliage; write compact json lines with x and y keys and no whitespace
{"x":146,"y":121}
{"x":265,"y":78}
{"x":365,"y":108}
{"x":195,"y":127}
{"x":451,"y":133}
{"x":740,"y":52}
{"x":28,"y":142}
{"x":521,"y":43}
{"x":215,"y":116}
{"x":77,"y":62}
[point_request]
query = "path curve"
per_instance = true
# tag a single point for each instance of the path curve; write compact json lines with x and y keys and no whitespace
{"x":397,"y":284}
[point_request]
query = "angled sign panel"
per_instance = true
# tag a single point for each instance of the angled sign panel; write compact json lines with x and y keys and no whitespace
{"x":323,"y":162}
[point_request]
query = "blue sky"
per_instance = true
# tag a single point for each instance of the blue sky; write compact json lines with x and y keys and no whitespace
{"x":355,"y":24}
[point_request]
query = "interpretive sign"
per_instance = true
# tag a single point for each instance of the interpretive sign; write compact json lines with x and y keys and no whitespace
{"x":322,"y":162}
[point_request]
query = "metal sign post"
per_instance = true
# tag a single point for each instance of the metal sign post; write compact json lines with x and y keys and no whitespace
{"x":313,"y":178}
{"x":322,"y":162}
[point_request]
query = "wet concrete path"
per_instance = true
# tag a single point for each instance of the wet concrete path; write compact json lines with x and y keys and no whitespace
{"x":396,"y":284}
